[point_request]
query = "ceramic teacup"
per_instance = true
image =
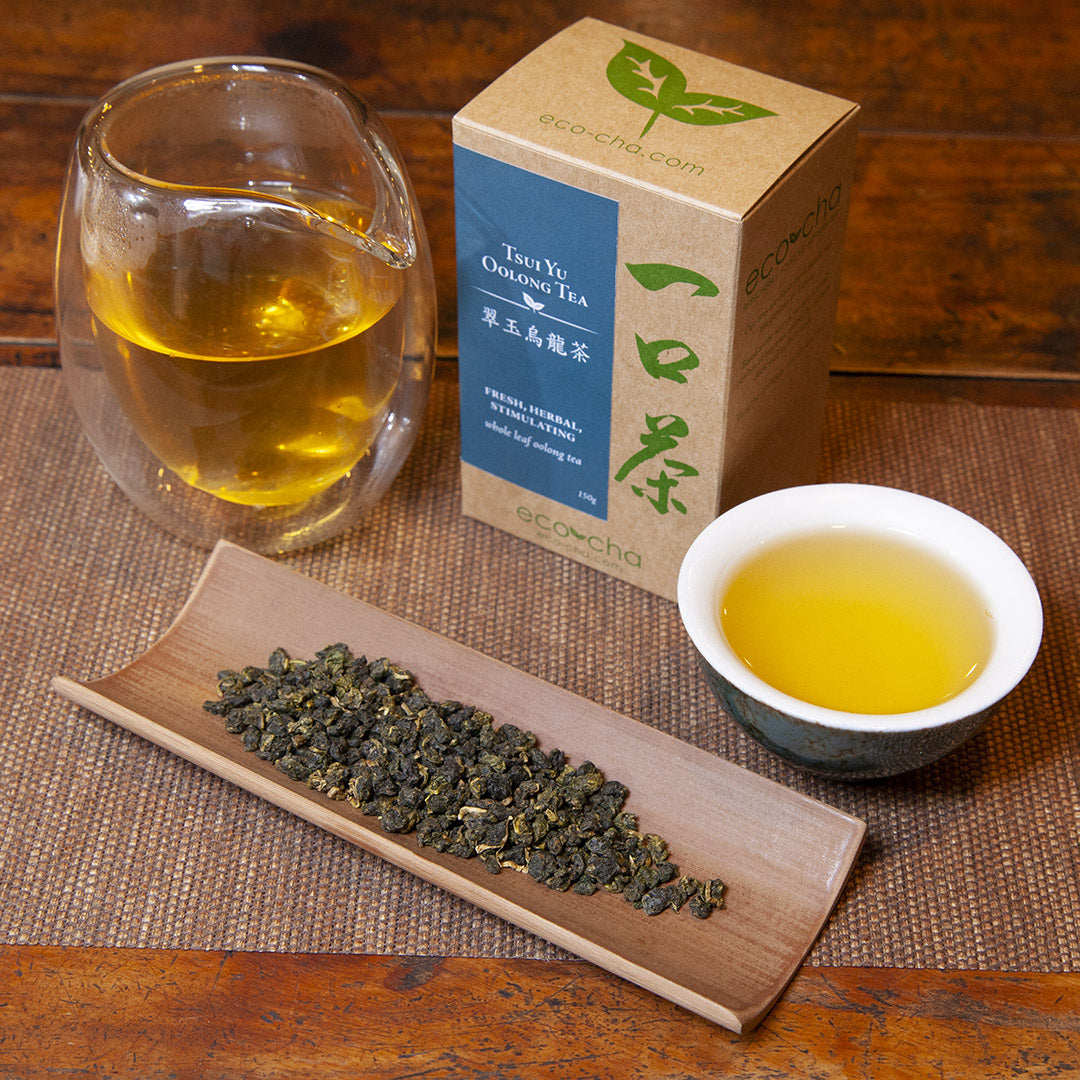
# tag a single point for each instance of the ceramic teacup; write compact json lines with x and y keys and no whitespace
{"x":858,"y":745}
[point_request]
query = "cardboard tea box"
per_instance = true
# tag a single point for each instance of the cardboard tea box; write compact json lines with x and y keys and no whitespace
{"x":648,"y":252}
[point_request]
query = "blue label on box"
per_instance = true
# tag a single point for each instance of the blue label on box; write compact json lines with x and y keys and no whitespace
{"x":536,"y":328}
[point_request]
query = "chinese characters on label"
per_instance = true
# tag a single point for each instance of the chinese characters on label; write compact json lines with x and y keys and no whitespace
{"x":553,"y":341}
{"x":664,"y":359}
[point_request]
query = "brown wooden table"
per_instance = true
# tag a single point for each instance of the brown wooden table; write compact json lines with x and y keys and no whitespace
{"x":961,"y":280}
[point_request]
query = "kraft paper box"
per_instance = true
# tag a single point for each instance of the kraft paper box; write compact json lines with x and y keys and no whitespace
{"x":648,"y":252}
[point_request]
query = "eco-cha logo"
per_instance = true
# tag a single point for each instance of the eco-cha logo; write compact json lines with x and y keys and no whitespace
{"x":647,"y":79}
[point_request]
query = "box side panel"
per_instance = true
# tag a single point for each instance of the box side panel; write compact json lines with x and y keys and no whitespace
{"x":785,"y":320}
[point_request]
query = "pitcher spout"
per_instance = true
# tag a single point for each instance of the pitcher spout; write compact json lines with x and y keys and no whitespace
{"x":383,"y":226}
{"x":344,"y":179}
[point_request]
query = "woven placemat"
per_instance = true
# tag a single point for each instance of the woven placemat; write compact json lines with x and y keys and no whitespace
{"x":108,"y":840}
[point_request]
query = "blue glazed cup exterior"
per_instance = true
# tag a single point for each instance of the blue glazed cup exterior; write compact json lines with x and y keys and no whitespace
{"x":834,"y":752}
{"x":853,"y":746}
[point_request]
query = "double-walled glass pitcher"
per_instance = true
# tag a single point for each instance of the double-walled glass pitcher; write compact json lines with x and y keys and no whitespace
{"x":245,"y":300}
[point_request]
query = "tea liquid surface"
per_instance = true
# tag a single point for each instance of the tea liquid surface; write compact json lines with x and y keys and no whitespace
{"x":255,"y":363}
{"x":856,"y":622}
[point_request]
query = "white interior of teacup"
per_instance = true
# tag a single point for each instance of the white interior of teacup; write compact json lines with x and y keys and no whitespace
{"x":971,"y":549}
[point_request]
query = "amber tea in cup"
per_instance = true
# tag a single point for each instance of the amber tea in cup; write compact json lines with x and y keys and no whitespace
{"x":855,"y":630}
{"x":857,"y":621}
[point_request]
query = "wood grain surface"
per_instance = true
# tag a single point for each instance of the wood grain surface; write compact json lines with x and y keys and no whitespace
{"x":961,"y":281}
{"x":915,"y":67}
{"x":963,"y":249}
{"x":785,"y":858}
{"x":158,"y":1015}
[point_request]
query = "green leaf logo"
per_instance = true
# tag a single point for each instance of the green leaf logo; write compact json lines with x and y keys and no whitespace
{"x":647,"y":79}
{"x":657,"y":276}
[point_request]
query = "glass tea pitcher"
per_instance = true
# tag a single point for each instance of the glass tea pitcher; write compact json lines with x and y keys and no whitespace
{"x":245,"y":300}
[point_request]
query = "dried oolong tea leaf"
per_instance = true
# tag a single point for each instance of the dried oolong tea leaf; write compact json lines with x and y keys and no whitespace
{"x":366,"y":733}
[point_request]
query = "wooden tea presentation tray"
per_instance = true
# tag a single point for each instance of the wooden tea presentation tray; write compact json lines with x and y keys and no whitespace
{"x":784,"y":857}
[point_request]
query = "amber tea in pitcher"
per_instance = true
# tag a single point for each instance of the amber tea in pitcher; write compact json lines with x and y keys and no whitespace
{"x":247,"y":300}
{"x":272,"y":386}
